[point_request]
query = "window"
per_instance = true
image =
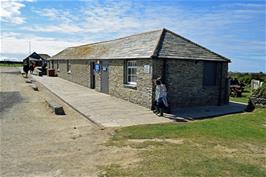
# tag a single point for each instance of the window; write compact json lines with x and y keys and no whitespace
{"x":68,"y":67}
{"x":209,"y":73}
{"x":57,"y":65}
{"x":131,"y":72}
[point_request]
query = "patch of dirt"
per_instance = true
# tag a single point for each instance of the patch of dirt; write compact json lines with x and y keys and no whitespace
{"x":254,"y":148}
{"x":225,"y":149}
{"x":127,"y":156}
{"x":173,"y":141}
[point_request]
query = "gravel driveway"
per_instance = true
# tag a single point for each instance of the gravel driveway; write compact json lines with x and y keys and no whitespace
{"x":35,"y":142}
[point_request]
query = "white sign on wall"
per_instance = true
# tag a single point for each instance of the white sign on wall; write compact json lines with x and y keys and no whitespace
{"x":147,"y":69}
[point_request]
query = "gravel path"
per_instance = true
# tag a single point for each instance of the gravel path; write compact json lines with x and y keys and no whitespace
{"x":35,"y":142}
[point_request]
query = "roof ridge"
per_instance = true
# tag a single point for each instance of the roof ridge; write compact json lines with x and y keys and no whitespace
{"x":156,"y":49}
{"x":137,"y":34}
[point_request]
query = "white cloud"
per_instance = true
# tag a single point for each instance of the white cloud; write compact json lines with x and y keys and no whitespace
{"x":10,"y":11}
{"x":63,"y":28}
{"x":62,"y":21}
{"x":15,"y":43}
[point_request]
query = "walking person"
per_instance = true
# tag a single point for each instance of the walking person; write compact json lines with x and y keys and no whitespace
{"x":26,"y":69}
{"x":31,"y":68}
{"x":160,"y":98}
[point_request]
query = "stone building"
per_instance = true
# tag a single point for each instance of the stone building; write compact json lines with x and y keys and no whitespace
{"x":125,"y":68}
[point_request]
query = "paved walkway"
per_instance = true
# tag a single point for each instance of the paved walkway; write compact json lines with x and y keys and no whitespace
{"x":109,"y":111}
{"x":203,"y":112}
{"x":103,"y":109}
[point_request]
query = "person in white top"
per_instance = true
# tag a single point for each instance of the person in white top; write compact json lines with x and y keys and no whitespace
{"x":160,"y":98}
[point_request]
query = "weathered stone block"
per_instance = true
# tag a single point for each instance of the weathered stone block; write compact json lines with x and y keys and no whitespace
{"x":56,"y":107}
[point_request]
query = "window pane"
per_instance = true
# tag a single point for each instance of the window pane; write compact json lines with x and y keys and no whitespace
{"x":131,"y":63}
{"x":134,"y":70}
{"x":128,"y":78}
{"x":129,"y":71}
{"x":134,"y":79}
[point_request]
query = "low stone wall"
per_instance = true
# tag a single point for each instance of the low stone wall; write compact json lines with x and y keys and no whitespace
{"x":258,"y":101}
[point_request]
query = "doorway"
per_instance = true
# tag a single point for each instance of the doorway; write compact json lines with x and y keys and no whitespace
{"x":105,"y":77}
{"x":92,"y":75}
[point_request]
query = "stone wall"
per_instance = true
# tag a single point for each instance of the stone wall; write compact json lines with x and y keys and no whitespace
{"x":225,"y":84}
{"x":80,"y":74}
{"x":184,"y":80}
{"x":80,"y":71}
{"x":142,"y":94}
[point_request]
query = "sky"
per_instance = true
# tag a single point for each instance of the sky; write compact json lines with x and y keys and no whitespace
{"x":232,"y":28}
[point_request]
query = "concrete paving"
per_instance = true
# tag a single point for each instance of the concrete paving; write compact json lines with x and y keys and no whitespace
{"x":102,"y":109}
{"x":108,"y":111}
{"x":202,"y":112}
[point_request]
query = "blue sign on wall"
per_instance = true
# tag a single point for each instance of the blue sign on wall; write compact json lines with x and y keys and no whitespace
{"x":97,"y":68}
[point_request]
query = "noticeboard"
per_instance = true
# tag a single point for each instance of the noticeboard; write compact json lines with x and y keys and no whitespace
{"x":97,"y":68}
{"x":147,"y":69}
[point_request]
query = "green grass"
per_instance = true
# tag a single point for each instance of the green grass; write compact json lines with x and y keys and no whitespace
{"x":232,"y":145}
{"x":244,"y":98}
{"x":10,"y":65}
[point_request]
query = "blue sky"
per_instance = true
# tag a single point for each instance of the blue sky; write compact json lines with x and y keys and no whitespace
{"x":232,"y":28}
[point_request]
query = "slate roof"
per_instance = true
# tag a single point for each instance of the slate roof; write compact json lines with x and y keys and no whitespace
{"x":155,"y":44}
{"x":44,"y":56}
{"x":35,"y":56}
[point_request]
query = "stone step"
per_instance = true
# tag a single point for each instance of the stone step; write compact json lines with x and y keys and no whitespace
{"x":34,"y":87}
{"x":56,"y":107}
{"x":28,"y":81}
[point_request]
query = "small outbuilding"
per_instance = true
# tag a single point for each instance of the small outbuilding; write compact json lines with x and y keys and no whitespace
{"x":126,"y":67}
{"x":35,"y":58}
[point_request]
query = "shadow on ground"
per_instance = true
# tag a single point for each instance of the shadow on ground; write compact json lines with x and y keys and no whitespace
{"x":203,"y":112}
{"x":9,"y":99}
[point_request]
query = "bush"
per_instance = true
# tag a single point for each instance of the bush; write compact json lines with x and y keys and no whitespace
{"x":260,"y":92}
{"x":247,"y":77}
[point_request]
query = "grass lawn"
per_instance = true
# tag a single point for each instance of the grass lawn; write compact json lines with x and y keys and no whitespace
{"x":231,"y":145}
{"x":10,"y":65}
{"x":244,"y":98}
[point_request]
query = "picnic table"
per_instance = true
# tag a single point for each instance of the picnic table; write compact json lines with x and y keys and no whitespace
{"x":236,"y":90}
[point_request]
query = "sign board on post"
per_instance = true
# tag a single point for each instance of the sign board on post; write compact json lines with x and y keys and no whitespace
{"x":105,"y":68}
{"x":97,"y":68}
{"x":147,"y":69}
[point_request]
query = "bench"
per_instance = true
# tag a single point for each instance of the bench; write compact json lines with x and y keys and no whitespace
{"x":56,"y":107}
{"x":236,"y":91}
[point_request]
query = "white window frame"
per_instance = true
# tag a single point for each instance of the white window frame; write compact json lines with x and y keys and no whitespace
{"x":131,"y":64}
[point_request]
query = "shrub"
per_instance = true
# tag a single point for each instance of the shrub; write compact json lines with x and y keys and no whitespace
{"x":260,"y":92}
